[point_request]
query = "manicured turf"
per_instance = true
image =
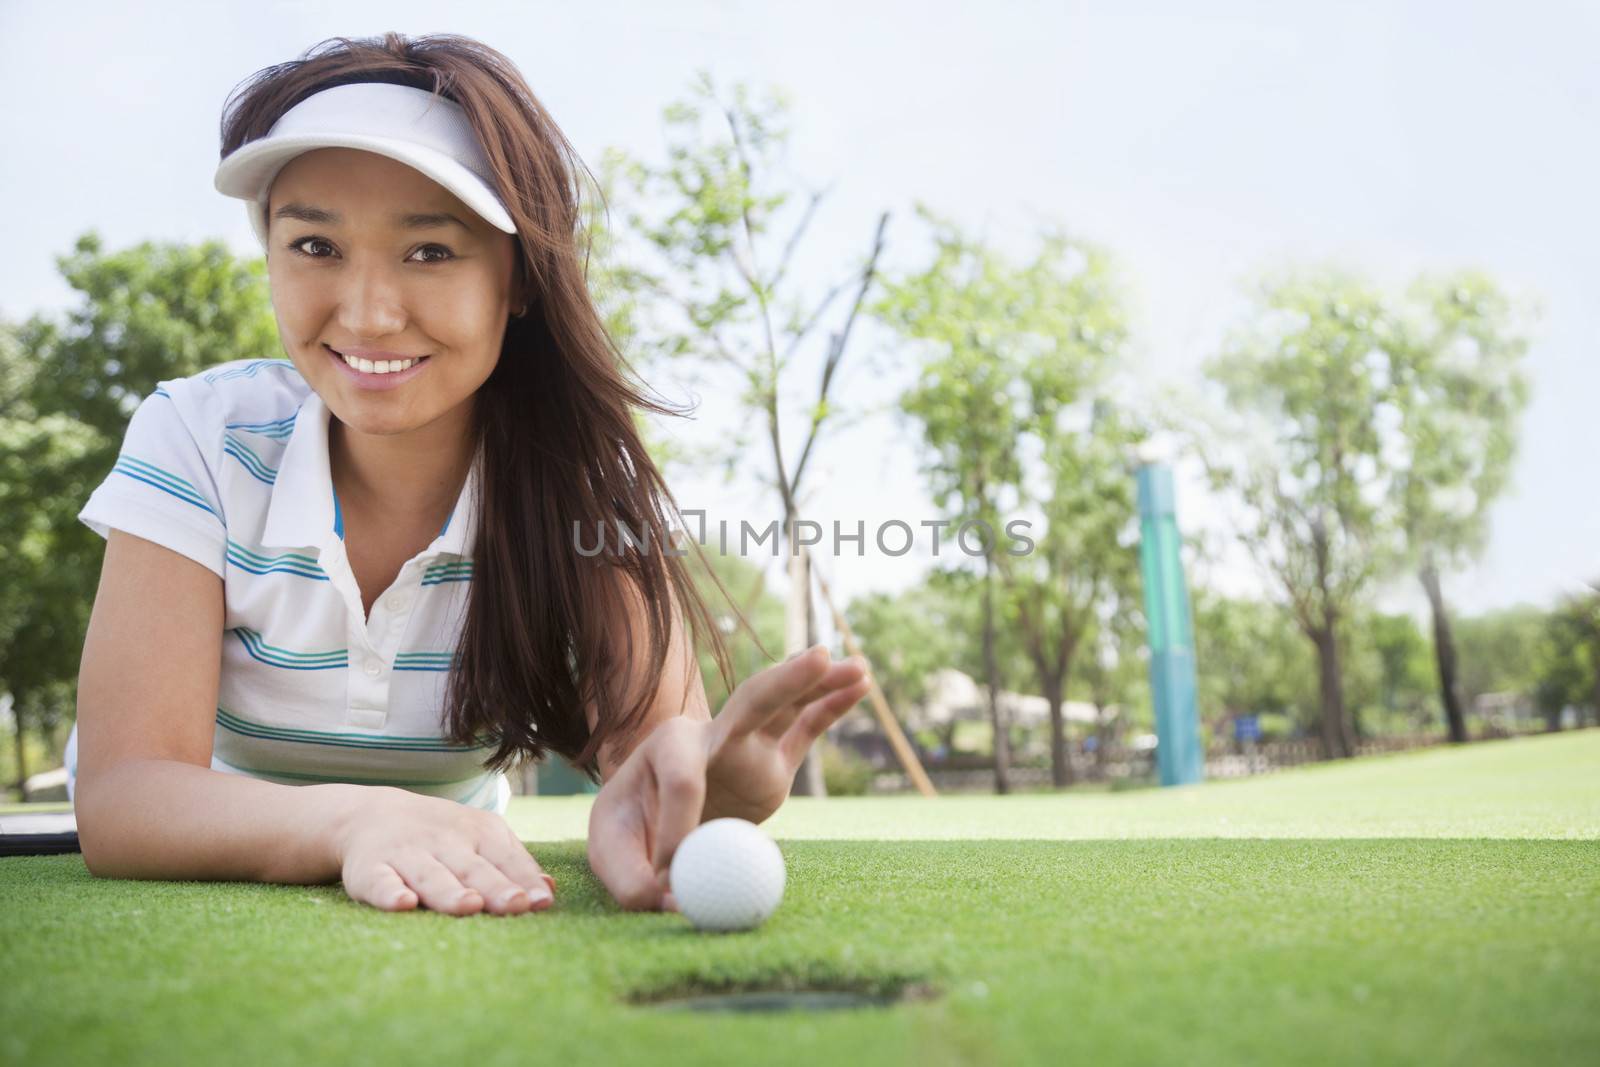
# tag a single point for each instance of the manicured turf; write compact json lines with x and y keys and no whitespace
{"x":1441,"y":906}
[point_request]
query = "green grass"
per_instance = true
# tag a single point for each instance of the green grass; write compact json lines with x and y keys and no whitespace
{"x":1438,"y":906}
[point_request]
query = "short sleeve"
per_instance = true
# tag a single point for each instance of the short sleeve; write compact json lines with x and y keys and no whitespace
{"x":163,"y":487}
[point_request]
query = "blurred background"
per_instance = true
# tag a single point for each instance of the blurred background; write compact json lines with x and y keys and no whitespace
{"x":1332,"y":267}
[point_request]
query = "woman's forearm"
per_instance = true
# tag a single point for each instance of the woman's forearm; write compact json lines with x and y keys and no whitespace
{"x":166,"y":819}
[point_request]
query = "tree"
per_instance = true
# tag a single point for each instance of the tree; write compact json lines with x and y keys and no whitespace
{"x":1019,"y":362}
{"x":971,"y":428}
{"x":1569,"y":656}
{"x":908,"y":637}
{"x":1460,"y":392}
{"x":1388,"y":675}
{"x":1084,"y":575}
{"x":1113,"y":667}
{"x":1249,"y":661}
{"x":1312,"y":368}
{"x":713,"y":306}
{"x":67,"y":389}
{"x":1499,"y":653}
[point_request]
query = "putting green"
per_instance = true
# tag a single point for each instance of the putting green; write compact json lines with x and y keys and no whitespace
{"x":1434,"y":906}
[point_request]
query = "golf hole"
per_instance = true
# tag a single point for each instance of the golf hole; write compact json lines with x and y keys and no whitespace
{"x":771,"y":997}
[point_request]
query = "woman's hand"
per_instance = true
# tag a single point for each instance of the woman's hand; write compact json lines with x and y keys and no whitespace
{"x":769,"y":723}
{"x":398,"y":849}
{"x":740,"y":764}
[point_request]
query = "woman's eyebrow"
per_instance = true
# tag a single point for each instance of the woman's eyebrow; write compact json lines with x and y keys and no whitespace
{"x":405,"y":220}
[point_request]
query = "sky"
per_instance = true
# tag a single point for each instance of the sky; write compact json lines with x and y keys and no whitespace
{"x":1200,"y":150}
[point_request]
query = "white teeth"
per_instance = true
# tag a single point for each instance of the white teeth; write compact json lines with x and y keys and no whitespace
{"x":367,"y":366}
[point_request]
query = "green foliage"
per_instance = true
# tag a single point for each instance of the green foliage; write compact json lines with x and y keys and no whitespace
{"x":1569,"y":656}
{"x":959,"y":598}
{"x":909,"y":636}
{"x":147,"y":313}
{"x":1390,"y":427}
{"x":1458,"y":385}
{"x":1500,"y":652}
{"x":750,"y":652}
{"x":1390,"y":676}
{"x":691,"y":283}
{"x":1310,"y":368}
{"x":843,"y":771}
{"x":1250,"y":659}
{"x":1016,"y":363}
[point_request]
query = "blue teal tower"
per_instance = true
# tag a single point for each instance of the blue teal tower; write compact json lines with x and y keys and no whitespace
{"x":1170,"y":629}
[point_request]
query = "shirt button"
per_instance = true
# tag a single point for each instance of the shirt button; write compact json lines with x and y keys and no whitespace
{"x":398,"y":601}
{"x":373,"y":667}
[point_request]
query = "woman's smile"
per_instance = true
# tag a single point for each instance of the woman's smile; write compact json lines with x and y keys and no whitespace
{"x":380,"y":374}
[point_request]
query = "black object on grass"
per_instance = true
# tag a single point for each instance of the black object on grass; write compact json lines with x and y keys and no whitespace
{"x":778,"y":1000}
{"x":38,"y":835}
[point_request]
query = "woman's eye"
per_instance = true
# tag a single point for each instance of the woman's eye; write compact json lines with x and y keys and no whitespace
{"x":295,"y":246}
{"x":299,"y":247}
{"x":437,"y":248}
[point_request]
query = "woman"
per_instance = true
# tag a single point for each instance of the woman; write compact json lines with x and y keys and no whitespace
{"x":448,"y":434}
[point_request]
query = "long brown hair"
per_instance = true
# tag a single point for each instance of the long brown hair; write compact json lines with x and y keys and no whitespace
{"x":556,"y":421}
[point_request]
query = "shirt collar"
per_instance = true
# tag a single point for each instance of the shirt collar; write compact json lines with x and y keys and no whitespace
{"x":303,"y":512}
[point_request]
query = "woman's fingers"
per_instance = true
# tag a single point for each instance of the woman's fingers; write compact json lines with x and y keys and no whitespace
{"x":435,"y":885}
{"x":500,"y":895}
{"x":770,"y":699}
{"x":818,"y":715}
{"x":388,"y":891}
{"x":620,"y":858}
{"x":511,"y":857}
{"x":645,"y":810}
{"x":678,"y":765}
{"x":518,"y":862}
{"x":838,"y":675}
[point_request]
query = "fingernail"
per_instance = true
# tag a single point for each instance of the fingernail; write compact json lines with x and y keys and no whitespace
{"x":512,"y":897}
{"x":539,"y":896}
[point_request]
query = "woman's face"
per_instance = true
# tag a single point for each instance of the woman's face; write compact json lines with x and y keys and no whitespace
{"x":349,"y":272}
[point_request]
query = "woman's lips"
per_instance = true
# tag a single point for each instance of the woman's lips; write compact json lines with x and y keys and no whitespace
{"x":378,"y":382}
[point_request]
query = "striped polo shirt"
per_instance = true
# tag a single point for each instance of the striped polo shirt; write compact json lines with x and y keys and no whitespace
{"x":229,"y":467}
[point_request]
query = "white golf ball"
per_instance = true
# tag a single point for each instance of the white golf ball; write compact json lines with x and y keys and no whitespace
{"x":727,"y":874}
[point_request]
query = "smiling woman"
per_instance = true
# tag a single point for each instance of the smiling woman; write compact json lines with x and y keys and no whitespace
{"x":430,"y":290}
{"x":390,"y":509}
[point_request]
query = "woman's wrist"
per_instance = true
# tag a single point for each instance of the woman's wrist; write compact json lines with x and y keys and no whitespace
{"x":345,"y":802}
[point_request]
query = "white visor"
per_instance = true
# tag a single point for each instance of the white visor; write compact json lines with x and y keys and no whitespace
{"x":412,"y":125}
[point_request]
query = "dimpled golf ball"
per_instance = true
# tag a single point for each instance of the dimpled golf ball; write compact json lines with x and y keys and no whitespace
{"x":727,"y":874}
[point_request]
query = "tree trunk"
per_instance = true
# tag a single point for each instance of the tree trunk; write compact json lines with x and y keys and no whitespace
{"x":1336,"y":737}
{"x":1060,"y":758}
{"x":1594,"y":659}
{"x":1444,"y":651}
{"x":991,"y":668}
{"x":22,"y":751}
{"x":801,"y":635}
{"x":1336,"y":741}
{"x":1102,"y":738}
